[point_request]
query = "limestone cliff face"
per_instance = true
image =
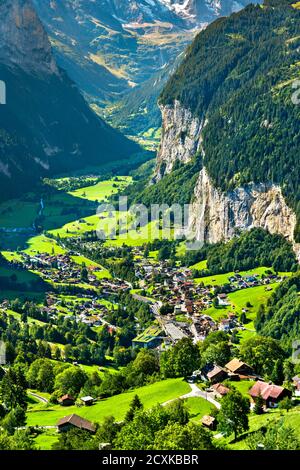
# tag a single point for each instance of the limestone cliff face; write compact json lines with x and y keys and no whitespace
{"x":217,"y":216}
{"x":26,"y":43}
{"x":181,"y":138}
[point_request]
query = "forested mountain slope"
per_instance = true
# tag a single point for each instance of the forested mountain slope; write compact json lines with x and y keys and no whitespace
{"x":231,"y":103}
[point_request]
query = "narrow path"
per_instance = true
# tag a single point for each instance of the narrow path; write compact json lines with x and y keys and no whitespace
{"x":196,"y":392}
{"x":38,"y":397}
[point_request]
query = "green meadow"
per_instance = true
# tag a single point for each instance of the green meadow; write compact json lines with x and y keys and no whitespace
{"x":103,"y":190}
{"x":117,"y":406}
{"x":239,"y":299}
{"x":221,"y":279}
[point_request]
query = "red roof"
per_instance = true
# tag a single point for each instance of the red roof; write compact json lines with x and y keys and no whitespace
{"x":221,"y":389}
{"x":67,"y":397}
{"x":265,"y":390}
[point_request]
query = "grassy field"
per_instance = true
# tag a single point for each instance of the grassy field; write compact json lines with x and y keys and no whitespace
{"x":31,"y":321}
{"x":198,"y":407}
{"x":238,"y":300}
{"x":18,"y":213}
{"x":244,"y":386}
{"x":199,"y":266}
{"x":43,"y":244}
{"x":221,"y":279}
{"x":103,"y":190}
{"x":22,"y":276}
{"x":46,"y":439}
{"x":117,"y":406}
{"x":36,"y":297}
{"x":12,"y":256}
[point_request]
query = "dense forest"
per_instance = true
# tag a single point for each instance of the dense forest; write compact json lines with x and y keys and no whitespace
{"x":248,"y":251}
{"x":281,"y":319}
{"x":239,"y":74}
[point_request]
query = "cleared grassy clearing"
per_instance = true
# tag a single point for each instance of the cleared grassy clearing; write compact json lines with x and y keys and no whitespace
{"x":46,"y":439}
{"x":103,"y":190}
{"x":31,"y":321}
{"x":43,"y":244}
{"x":21,"y":276}
{"x":238,"y":301}
{"x":200,"y":266}
{"x":18,"y":213}
{"x":244,"y":386}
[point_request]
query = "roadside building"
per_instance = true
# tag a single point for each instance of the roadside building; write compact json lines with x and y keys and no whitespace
{"x":238,"y":367}
{"x":149,"y":339}
{"x":220,"y":390}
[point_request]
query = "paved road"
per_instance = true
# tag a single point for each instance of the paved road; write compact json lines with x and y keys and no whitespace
{"x":196,"y":392}
{"x":38,"y":397}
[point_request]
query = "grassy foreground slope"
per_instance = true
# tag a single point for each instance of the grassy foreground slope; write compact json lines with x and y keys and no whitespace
{"x":116,"y":406}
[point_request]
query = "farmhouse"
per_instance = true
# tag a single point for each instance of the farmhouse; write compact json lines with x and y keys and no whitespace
{"x":67,"y":400}
{"x":218,"y":374}
{"x":75,"y":421}
{"x":238,"y":367}
{"x":270,"y":393}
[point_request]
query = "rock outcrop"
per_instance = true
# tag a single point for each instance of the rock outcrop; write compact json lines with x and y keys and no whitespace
{"x":26,"y":43}
{"x":216,"y":216}
{"x":181,"y":138}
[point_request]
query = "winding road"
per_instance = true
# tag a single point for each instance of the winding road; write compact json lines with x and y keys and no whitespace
{"x":38,"y":397}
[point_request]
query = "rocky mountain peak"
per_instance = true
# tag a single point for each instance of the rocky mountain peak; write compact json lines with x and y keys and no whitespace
{"x":24,"y":41}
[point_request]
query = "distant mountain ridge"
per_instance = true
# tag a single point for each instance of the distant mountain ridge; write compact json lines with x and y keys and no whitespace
{"x":115,"y":49}
{"x":46,"y":126}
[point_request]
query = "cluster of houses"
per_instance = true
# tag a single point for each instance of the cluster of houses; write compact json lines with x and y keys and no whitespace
{"x":63,"y":269}
{"x":237,"y":370}
{"x":59,"y":268}
{"x":188,"y":301}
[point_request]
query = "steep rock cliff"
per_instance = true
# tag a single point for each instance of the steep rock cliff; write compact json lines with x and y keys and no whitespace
{"x":26,"y":44}
{"x":181,"y":138}
{"x":218,"y":216}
